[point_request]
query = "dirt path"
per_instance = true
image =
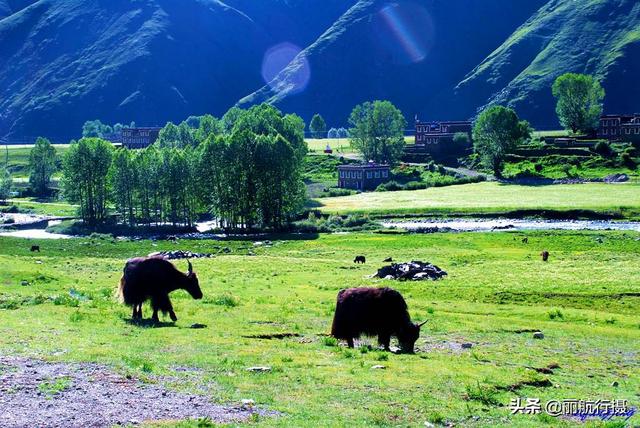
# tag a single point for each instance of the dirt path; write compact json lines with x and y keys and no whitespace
{"x":40,"y":394}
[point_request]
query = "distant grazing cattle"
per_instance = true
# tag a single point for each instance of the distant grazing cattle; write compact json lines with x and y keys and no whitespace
{"x":153,"y":278}
{"x":360,"y":259}
{"x":35,"y":248}
{"x":525,"y":240}
{"x":545,"y":256}
{"x":388,"y":260}
{"x":378,"y":312}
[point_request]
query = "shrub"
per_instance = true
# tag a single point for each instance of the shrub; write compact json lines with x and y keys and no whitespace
{"x":415,"y":185}
{"x":390,"y":186}
{"x":603,"y":148}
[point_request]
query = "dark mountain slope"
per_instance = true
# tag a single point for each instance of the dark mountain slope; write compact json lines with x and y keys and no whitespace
{"x":405,"y":51}
{"x":600,"y":37}
{"x":9,"y":7}
{"x":65,"y":61}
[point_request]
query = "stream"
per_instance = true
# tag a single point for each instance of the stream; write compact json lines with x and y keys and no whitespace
{"x":496,"y":225}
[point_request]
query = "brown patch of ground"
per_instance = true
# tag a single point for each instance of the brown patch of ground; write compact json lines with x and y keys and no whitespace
{"x":37,"y":393}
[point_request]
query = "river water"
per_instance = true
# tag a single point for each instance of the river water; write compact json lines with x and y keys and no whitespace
{"x":494,"y":225}
{"x":427,"y":225}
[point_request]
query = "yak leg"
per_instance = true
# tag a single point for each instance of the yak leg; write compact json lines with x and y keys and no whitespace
{"x":350,"y":342}
{"x":172,"y":314}
{"x":384,"y":339}
{"x":140,"y":311}
{"x":154,"y":317}
{"x":134,"y":316}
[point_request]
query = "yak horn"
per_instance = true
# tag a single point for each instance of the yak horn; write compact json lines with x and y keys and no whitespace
{"x":422,"y":323}
{"x":190,"y":266}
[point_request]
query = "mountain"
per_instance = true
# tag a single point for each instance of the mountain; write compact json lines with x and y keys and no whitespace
{"x":63,"y":62}
{"x":406,"y":51}
{"x":598,"y":37}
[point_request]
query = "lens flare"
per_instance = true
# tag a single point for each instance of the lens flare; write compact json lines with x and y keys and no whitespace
{"x":409,"y":27}
{"x":284,"y":67}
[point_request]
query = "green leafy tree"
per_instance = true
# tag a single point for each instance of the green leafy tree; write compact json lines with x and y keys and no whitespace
{"x":229,"y":119}
{"x":461,"y":138}
{"x":42,"y":165}
{"x":318,"y":126}
{"x":377,"y":131}
{"x":579,"y":104}
{"x":496,"y":132}
{"x":6,"y":184}
{"x":85,"y":181}
{"x":123,"y":180}
{"x":169,"y":136}
{"x":207,"y":125}
{"x":96,"y":129}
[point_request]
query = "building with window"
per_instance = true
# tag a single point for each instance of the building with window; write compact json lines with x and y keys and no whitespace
{"x":620,"y":127}
{"x":363,"y":176}
{"x":436,"y":139}
{"x":139,"y":138}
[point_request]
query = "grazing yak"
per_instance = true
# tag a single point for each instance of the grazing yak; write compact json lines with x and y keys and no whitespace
{"x":35,"y":248}
{"x":378,"y":312}
{"x":153,"y":278}
{"x":360,"y":259}
{"x":545,"y":256}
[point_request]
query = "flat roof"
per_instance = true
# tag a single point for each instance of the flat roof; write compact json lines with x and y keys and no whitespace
{"x":363,"y":166}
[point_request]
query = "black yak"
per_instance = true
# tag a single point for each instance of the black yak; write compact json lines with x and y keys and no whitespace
{"x":35,"y":248}
{"x":153,"y":278}
{"x":378,"y":312}
{"x":360,"y":259}
{"x":545,"y":256}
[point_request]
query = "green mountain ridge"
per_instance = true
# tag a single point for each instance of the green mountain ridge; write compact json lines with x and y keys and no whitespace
{"x":599,"y":37}
{"x":63,"y":62}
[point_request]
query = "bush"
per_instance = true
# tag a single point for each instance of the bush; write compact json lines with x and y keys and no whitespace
{"x":335,"y":191}
{"x":415,"y":185}
{"x":603,"y":148}
{"x":390,"y":186}
{"x":628,"y":161}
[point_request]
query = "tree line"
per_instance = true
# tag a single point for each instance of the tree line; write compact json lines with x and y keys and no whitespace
{"x":244,"y":169}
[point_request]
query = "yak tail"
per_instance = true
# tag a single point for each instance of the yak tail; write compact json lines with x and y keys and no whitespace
{"x":120,"y":291}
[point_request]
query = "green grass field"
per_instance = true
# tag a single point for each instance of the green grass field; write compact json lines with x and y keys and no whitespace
{"x":19,"y":159}
{"x":491,"y":197}
{"x":496,"y":286}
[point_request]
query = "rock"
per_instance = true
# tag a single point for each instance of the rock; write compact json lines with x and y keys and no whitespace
{"x":616,"y":178}
{"x":538,"y":335}
{"x":259,"y":369}
{"x":615,"y":384}
{"x":429,"y":425}
{"x":25,"y":283}
{"x":378,"y":367}
{"x":414,"y":270}
{"x":467,"y":345}
{"x":247,"y":403}
{"x":180,"y":254}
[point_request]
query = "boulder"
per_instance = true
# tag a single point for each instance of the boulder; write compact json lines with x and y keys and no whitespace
{"x":412,"y":271}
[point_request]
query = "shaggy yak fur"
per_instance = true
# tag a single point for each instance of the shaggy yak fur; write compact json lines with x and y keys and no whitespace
{"x":360,"y":259}
{"x":378,"y":312}
{"x":153,"y":278}
{"x":545,"y":256}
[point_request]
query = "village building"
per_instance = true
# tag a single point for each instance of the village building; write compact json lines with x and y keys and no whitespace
{"x":139,"y":138}
{"x":436,"y":139}
{"x":620,"y":127}
{"x":363,"y":176}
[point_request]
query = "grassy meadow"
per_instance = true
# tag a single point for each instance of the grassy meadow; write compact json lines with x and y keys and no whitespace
{"x":585,"y":300}
{"x":492,"y":197}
